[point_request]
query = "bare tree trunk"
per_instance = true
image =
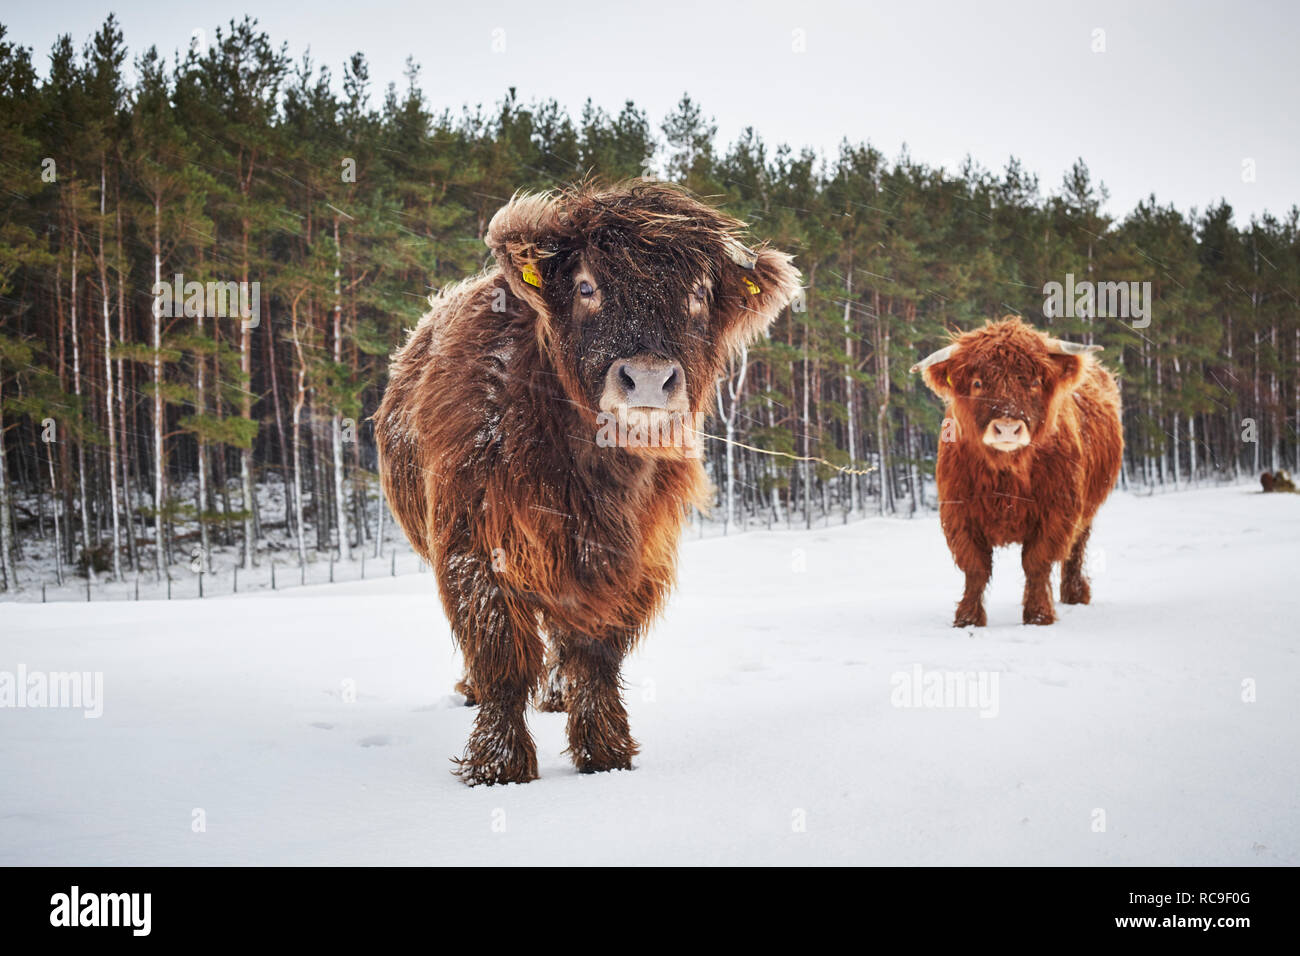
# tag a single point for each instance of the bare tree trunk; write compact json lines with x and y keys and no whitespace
{"x":108,"y":384}
{"x":735,"y":388}
{"x":76,"y":387}
{"x":279,"y":428}
{"x":58,"y":538}
{"x":200,"y":406}
{"x":1235,"y":423}
{"x":8,"y":570}
{"x":340,"y":502}
{"x":246,"y":412}
{"x":1255,"y":395}
{"x":1275,"y":397}
{"x":882,"y":410}
{"x":854,"y":503}
{"x":128,"y":496}
{"x":159,"y":458}
{"x":807,"y":427}
{"x":773,"y":490}
{"x":300,"y":398}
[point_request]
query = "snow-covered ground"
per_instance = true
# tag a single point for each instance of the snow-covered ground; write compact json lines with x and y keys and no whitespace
{"x":1160,"y":725}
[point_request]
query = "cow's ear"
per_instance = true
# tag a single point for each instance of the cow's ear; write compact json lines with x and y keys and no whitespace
{"x":524,"y":236}
{"x":756,"y":285}
{"x":939,"y":378}
{"x":1069,"y":370}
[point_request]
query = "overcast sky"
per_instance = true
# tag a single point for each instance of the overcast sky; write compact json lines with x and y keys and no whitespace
{"x":1182,"y":96}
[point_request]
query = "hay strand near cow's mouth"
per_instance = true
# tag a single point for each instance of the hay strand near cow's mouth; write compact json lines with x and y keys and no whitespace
{"x":840,"y":469}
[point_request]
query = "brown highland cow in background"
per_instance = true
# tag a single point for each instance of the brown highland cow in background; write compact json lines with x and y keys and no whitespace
{"x":1031,"y":447}
{"x":515,"y":451}
{"x":1279,"y":480}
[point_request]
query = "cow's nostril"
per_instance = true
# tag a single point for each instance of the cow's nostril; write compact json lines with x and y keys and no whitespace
{"x":671,"y":382}
{"x":625,"y":379}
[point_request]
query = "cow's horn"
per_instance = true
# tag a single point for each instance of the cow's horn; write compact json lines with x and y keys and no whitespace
{"x":933,"y":358}
{"x":742,"y":255}
{"x":1061,"y":347}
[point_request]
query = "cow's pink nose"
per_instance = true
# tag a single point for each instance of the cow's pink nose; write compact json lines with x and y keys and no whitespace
{"x":1008,"y":429}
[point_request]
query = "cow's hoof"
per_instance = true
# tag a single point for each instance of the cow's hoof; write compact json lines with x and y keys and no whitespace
{"x":476,"y":773}
{"x":616,"y":759}
{"x":976,"y":618}
{"x":499,"y":749}
{"x":1075,"y":592}
{"x":595,"y":748}
{"x":1039,"y":616}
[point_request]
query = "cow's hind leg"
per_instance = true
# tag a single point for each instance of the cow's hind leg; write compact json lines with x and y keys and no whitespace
{"x":503,"y":664}
{"x":599,"y":737}
{"x":466,"y":686}
{"x":551,"y":699}
{"x":1074,"y":585}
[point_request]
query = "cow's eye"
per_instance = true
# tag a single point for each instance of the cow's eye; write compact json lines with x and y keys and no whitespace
{"x":1036,"y":383}
{"x":700,"y":292}
{"x":976,"y":385}
{"x":586,"y":289}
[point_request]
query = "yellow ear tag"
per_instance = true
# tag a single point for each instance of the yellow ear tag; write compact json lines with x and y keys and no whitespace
{"x":749,"y":284}
{"x":529,"y":274}
{"x":949,"y":379}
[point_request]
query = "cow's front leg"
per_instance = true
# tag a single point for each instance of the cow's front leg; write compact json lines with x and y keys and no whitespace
{"x":599,"y":737}
{"x":975,"y":559}
{"x":503,"y":664}
{"x":1036,"y":559}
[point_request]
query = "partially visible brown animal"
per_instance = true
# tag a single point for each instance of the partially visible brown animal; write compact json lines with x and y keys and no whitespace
{"x":537,"y":445}
{"x":1279,"y":480}
{"x":1031,"y":447}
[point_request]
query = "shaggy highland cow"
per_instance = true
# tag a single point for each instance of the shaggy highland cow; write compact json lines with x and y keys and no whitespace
{"x":1031,"y":447}
{"x":537,"y":444}
{"x":1278,"y":481}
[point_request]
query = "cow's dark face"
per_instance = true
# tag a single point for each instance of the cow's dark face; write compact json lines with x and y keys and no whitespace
{"x":642,"y":293}
{"x":1003,"y":384}
{"x":1007,"y":398}
{"x":634,"y":327}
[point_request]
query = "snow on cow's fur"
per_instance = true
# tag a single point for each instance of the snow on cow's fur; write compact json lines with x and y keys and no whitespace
{"x":622,"y":301}
{"x":1031,"y":447}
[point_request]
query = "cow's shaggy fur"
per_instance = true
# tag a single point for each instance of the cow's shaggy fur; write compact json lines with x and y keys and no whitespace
{"x":1042,"y":495}
{"x":488,"y":447}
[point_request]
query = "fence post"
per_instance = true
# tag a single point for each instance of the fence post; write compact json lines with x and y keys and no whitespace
{"x":394,"y":564}
{"x":272,"y":575}
{"x":200,"y":582}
